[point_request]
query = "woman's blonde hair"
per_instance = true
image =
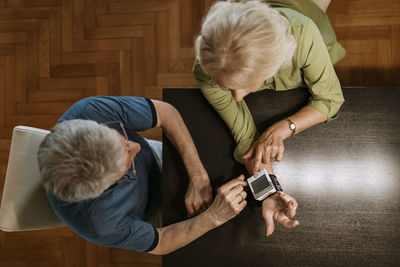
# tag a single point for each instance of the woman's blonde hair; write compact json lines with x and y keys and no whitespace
{"x":244,"y":42}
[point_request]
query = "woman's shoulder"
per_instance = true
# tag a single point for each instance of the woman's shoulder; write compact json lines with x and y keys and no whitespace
{"x":298,"y":21}
{"x":304,"y":30}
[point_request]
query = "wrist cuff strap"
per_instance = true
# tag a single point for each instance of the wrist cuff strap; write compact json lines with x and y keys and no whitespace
{"x":276,"y":183}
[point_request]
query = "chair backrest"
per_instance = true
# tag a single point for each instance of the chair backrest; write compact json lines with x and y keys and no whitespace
{"x":24,"y":204}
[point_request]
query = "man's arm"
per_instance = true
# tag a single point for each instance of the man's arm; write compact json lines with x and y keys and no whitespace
{"x":229,"y":202}
{"x":198,"y":196}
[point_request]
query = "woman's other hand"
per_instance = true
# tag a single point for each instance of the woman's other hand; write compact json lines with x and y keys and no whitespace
{"x":280,"y":208}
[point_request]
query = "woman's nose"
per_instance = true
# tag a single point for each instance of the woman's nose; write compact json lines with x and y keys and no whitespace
{"x":237,"y":95}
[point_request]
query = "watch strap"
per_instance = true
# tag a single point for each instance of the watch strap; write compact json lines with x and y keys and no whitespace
{"x":275,"y":182}
{"x":292,"y":126}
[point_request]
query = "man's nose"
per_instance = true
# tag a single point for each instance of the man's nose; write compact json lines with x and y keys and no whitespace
{"x":134,"y":148}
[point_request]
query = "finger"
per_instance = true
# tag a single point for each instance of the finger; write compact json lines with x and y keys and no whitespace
{"x":274,"y":152}
{"x":190,"y":210}
{"x":248,"y":154}
{"x":240,"y":177}
{"x":291,"y":211}
{"x":269,"y":222}
{"x":240,"y":197}
{"x":235,"y":182}
{"x":258,"y":157}
{"x":197,"y":207}
{"x":286,"y":198}
{"x":290,"y":203}
{"x":235,"y":191}
{"x":281,"y":150}
{"x":241,"y":206}
{"x":286,"y":222}
{"x":266,"y":157}
{"x":244,"y":195}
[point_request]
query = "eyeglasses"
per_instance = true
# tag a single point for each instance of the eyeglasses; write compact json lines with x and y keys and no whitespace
{"x":121,"y":125}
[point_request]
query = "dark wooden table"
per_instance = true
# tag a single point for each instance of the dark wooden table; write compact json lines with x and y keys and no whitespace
{"x":344,"y":174}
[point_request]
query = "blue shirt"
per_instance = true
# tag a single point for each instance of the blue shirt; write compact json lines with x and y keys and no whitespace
{"x":116,"y":217}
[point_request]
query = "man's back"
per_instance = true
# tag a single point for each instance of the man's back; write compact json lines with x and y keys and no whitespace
{"x":116,"y":217}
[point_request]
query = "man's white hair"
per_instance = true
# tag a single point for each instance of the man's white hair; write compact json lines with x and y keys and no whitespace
{"x":80,"y":159}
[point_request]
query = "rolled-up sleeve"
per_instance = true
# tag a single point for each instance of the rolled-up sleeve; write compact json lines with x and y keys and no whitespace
{"x":319,"y":74}
{"x":236,"y":115}
{"x":137,"y":113}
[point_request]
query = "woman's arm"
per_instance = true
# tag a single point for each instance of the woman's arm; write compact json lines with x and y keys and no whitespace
{"x":325,"y":101}
{"x":235,"y":114}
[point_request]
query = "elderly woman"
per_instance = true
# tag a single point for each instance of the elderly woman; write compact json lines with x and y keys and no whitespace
{"x":276,"y":45}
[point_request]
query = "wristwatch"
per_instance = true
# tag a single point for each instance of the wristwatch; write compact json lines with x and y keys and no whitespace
{"x":292,"y":126}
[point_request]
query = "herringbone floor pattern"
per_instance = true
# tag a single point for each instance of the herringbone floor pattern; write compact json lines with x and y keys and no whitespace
{"x":54,"y":52}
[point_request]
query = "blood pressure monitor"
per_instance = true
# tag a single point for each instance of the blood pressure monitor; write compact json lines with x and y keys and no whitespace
{"x":263,"y":185}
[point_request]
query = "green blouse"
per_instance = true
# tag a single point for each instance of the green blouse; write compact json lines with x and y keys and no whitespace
{"x":310,"y":67}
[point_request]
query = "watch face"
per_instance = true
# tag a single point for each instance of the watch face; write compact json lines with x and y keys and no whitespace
{"x":292,"y":126}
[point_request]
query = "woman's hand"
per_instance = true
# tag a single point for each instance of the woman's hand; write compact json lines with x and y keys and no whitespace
{"x":199,"y":195}
{"x":249,"y":164}
{"x":280,"y":208}
{"x":269,"y":147}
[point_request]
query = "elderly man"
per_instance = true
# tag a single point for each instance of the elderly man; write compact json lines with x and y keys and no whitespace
{"x":103,"y":180}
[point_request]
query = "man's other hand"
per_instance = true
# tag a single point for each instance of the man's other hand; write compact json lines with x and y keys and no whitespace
{"x":280,"y":208}
{"x":230,"y":200}
{"x":199,"y":195}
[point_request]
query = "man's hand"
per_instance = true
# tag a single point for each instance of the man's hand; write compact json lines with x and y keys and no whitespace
{"x":280,"y":208}
{"x":230,"y":201}
{"x":199,"y":195}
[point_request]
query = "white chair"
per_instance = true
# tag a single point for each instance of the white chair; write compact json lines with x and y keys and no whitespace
{"x":24,"y":205}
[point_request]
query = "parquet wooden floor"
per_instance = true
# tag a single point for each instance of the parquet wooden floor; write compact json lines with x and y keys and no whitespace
{"x":54,"y":52}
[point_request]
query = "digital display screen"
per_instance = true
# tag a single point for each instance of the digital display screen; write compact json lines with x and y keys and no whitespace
{"x":260,"y":184}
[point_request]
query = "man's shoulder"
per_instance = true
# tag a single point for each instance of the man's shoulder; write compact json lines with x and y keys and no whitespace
{"x":104,"y":108}
{"x":101,"y":102}
{"x":80,"y":108}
